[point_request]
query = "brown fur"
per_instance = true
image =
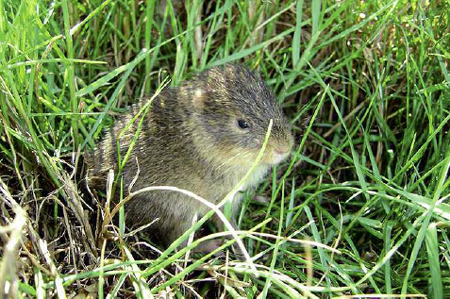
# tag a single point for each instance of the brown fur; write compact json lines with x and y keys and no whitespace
{"x":191,"y":139}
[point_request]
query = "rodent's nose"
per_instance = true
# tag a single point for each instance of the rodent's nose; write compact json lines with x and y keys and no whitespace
{"x":286,"y":147}
{"x":282,"y":148}
{"x":281,"y":151}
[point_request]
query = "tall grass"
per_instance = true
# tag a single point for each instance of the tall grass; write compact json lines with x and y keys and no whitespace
{"x":360,"y":209}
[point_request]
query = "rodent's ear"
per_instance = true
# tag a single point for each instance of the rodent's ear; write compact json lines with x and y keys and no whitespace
{"x":198,"y":98}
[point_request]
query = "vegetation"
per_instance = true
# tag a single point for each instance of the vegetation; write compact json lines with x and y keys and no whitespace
{"x":360,"y":209}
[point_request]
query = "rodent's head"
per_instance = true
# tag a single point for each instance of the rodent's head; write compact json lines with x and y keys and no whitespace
{"x":230,"y":108}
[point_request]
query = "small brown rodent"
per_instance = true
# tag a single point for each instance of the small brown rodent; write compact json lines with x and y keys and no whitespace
{"x":202,"y":136}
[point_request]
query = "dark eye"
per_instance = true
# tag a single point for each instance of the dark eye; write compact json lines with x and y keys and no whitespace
{"x":243,"y":124}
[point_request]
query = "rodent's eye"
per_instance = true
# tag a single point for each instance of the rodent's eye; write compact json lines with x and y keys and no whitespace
{"x":243,"y":124}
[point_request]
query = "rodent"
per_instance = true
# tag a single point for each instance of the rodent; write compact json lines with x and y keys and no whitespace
{"x":202,"y":136}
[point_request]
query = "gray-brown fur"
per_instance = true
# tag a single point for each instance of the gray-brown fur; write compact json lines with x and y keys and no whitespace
{"x":191,"y":139}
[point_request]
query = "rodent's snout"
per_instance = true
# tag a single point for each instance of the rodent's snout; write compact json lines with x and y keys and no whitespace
{"x":282,"y":150}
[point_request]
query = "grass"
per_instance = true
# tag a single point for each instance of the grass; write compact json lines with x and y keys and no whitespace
{"x":360,"y":210}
